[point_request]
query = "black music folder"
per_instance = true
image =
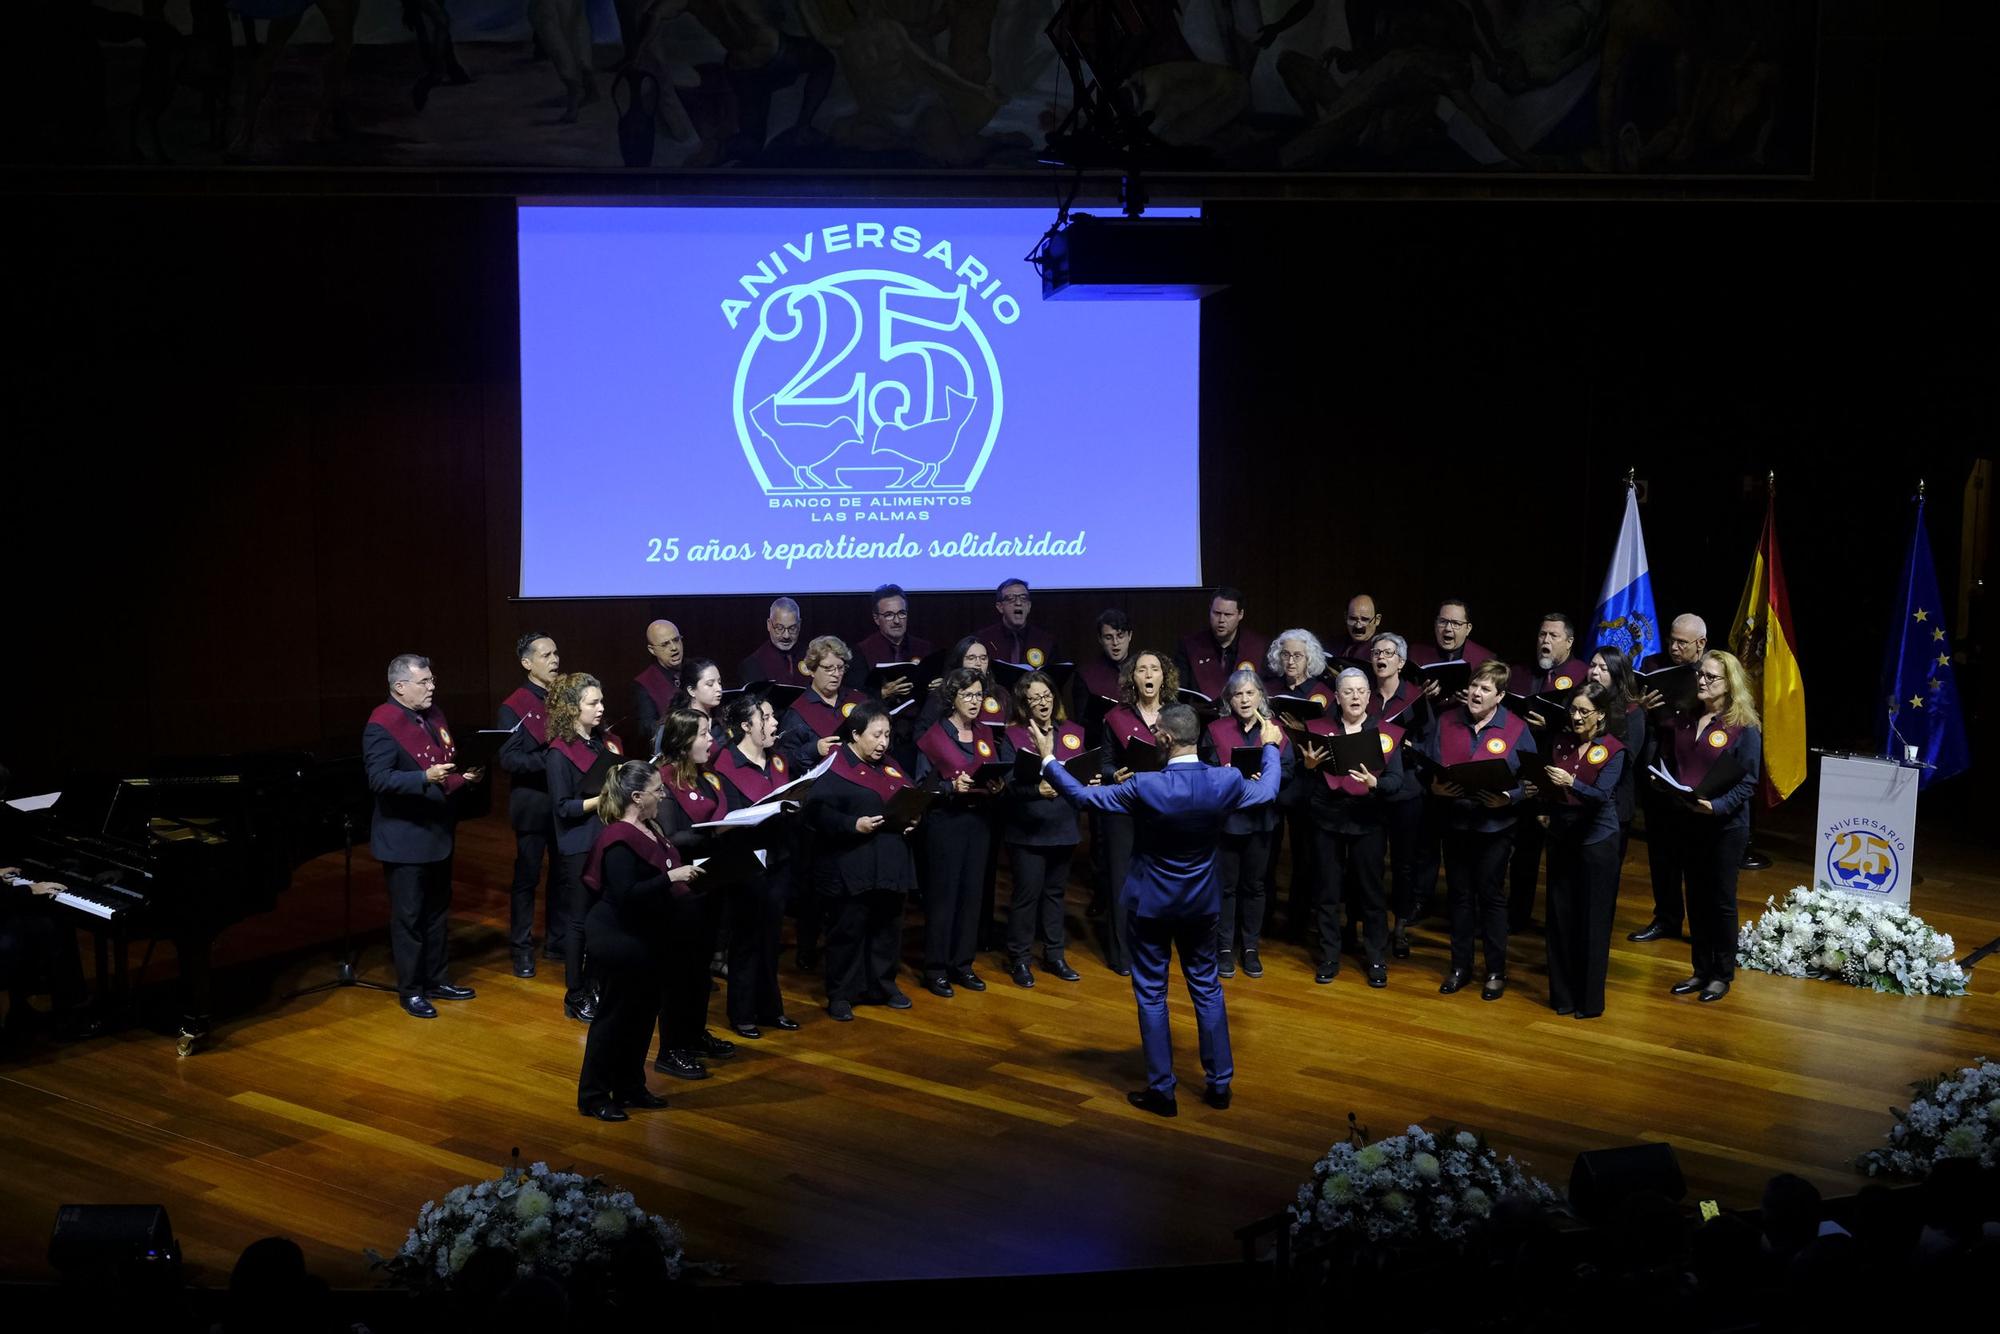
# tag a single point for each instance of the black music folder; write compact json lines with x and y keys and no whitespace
{"x":1247,"y":760}
{"x":781,"y":694}
{"x":1676,"y":685}
{"x":1725,"y":773}
{"x":905,"y":808}
{"x":1356,"y":750}
{"x":1009,"y":674}
{"x":1452,"y":675}
{"x":1299,"y":706}
{"x":1138,"y":755}
{"x":1082,"y":766}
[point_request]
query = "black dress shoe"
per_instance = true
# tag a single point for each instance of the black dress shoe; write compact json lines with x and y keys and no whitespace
{"x":552,"y":950}
{"x":449,"y":992}
{"x":1495,"y":988}
{"x":840,"y":1012}
{"x":582,"y":1011}
{"x":1378,"y":975}
{"x":610,"y":1111}
{"x":750,"y":1031}
{"x":1399,"y":944}
{"x":784,"y":1023}
{"x":524,"y":965}
{"x":1654,"y":931}
{"x":714,"y":1048}
{"x":1060,"y":967}
{"x":1159,"y":1104}
{"x":1590,"y":1014}
{"x":1216,"y":1098}
{"x":1563,"y":1009}
{"x":1225,"y":963}
{"x":938,"y":986}
{"x":1688,"y":985}
{"x":1453,"y":980}
{"x":681,"y":1065}
{"x":968,"y":979}
{"x":1122,"y":972}
{"x":1715,"y":990}
{"x":1252,"y":965}
{"x":1327,"y":972}
{"x":896,"y":1000}
{"x":644,"y":1099}
{"x":1023,"y":975}
{"x":418,"y":1008}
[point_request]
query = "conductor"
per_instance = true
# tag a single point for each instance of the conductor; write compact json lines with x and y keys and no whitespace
{"x":1172,"y":893}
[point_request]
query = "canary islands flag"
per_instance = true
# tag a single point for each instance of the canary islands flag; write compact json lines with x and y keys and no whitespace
{"x":1625,"y":616}
{"x":1923,"y":710}
{"x":1763,"y":639}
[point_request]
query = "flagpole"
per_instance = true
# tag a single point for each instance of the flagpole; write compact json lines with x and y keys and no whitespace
{"x":1754,"y":860}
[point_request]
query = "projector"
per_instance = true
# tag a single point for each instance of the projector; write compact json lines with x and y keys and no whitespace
{"x":1134,"y":259}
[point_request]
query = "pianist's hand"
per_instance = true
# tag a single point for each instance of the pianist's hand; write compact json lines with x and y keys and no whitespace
{"x":10,"y":872}
{"x":45,"y":888}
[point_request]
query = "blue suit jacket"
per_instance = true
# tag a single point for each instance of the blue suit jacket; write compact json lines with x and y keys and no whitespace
{"x":1178,"y":814}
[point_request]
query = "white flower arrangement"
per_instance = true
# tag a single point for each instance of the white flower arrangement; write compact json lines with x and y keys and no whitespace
{"x":1412,"y":1187}
{"x":1954,"y":1115}
{"x":562,"y":1224}
{"x":1825,"y":933}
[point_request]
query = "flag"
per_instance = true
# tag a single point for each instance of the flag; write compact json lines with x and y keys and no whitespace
{"x":1763,"y":639}
{"x":1625,"y":616}
{"x":1923,"y":710}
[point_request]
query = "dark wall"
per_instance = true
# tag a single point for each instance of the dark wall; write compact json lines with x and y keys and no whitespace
{"x":259,"y":446}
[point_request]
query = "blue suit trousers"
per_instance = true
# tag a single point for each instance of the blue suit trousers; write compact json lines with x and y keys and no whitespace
{"x":1153,"y":942}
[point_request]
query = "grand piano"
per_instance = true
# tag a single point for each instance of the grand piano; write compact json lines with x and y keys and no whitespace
{"x":181,"y":851}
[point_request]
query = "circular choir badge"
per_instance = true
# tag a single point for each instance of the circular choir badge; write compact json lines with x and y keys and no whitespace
{"x":1597,"y":755}
{"x":985,"y":749}
{"x":847,"y":708}
{"x":1563,"y":683}
{"x":1387,"y":744}
{"x":892,"y":771}
{"x":991,"y":705}
{"x":444,"y":735}
{"x":1718,"y":738}
{"x":1497,"y":746}
{"x":1036,"y":657}
{"x":1071,"y":741}
{"x":713,"y":781}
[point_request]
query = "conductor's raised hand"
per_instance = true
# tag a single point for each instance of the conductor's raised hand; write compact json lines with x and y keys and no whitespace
{"x":1268,"y":732}
{"x":1045,"y":739}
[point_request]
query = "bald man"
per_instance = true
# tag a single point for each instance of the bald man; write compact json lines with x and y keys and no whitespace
{"x":1363,"y":624}
{"x":654,"y":688}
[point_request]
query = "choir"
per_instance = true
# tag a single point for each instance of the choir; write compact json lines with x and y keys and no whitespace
{"x":796,"y":792}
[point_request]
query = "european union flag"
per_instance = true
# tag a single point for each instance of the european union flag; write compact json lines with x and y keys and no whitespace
{"x":1920,"y":691}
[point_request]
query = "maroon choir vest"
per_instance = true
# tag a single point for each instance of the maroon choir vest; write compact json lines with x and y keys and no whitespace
{"x":824,"y":718}
{"x":701,"y":803}
{"x":427,"y":742}
{"x":1226,"y":734}
{"x":1584,"y":759}
{"x":582,"y":756}
{"x":940,"y":745}
{"x":1392,"y":737}
{"x":1211,"y":667}
{"x":1387,"y":710}
{"x":996,"y":707}
{"x":1498,"y":740}
{"x":661,"y":685}
{"x":1571,"y":675}
{"x":657,"y":853}
{"x":884,"y":780}
{"x":1311,"y":688}
{"x":1124,"y":724}
{"x":877,"y":648}
{"x":752,"y":782}
{"x":1697,"y":749}
{"x":1425,"y":654}
{"x":1361,"y":652}
{"x":1069,"y":739}
{"x":775,"y":664}
{"x":533,"y":713}
{"x":1033,"y":647}
{"x":1100,"y":677}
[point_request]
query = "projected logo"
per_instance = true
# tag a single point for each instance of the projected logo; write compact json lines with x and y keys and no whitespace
{"x":867,"y":381}
{"x":1861,"y":863}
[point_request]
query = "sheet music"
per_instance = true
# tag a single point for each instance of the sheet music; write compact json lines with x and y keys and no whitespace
{"x":41,"y":803}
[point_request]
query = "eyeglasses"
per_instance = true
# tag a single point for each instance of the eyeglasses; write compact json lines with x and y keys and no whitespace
{"x":894,"y":615}
{"x":1292,"y":654}
{"x":1015,"y":600}
{"x":1445,"y":622}
{"x":1362,"y":620}
{"x":1708,"y":677}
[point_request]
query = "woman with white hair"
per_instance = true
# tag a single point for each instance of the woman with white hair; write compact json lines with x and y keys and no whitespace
{"x":1298,"y":667}
{"x":1243,"y":856}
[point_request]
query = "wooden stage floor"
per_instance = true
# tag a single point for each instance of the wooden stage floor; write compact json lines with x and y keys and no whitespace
{"x":983,"y":1135}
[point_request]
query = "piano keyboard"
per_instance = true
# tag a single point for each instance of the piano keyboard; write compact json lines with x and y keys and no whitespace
{"x":106,"y":902}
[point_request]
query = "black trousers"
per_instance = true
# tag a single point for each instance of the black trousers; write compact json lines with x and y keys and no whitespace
{"x":956,"y":844}
{"x":1583,"y":899}
{"x":1350,"y":870}
{"x":1242,"y":861}
{"x":1117,"y":830}
{"x":1522,"y":869}
{"x":614,"y":1055}
{"x":756,"y":925}
{"x":1303,"y":837}
{"x":1476,"y":879}
{"x":1666,"y":861}
{"x":577,"y":900}
{"x":531,"y":849}
{"x":1428,"y":856}
{"x":1100,"y":870}
{"x":38,"y":954}
{"x":419,"y":920}
{"x":684,"y":984}
{"x":863,"y":941}
{"x":1041,"y":878}
{"x":1714,"y":857}
{"x":1404,"y":821}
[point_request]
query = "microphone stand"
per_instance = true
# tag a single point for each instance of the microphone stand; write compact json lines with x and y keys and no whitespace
{"x":345,"y":976}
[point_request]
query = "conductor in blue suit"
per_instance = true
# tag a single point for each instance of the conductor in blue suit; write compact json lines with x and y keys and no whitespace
{"x":1172,"y":892}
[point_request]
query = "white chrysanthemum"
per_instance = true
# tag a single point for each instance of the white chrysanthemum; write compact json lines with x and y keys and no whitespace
{"x":530,"y":1204}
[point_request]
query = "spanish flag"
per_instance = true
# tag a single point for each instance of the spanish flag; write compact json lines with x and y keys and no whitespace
{"x":1763,"y":639}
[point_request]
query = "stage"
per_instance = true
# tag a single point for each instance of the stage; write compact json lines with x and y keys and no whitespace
{"x":984,"y":1135}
